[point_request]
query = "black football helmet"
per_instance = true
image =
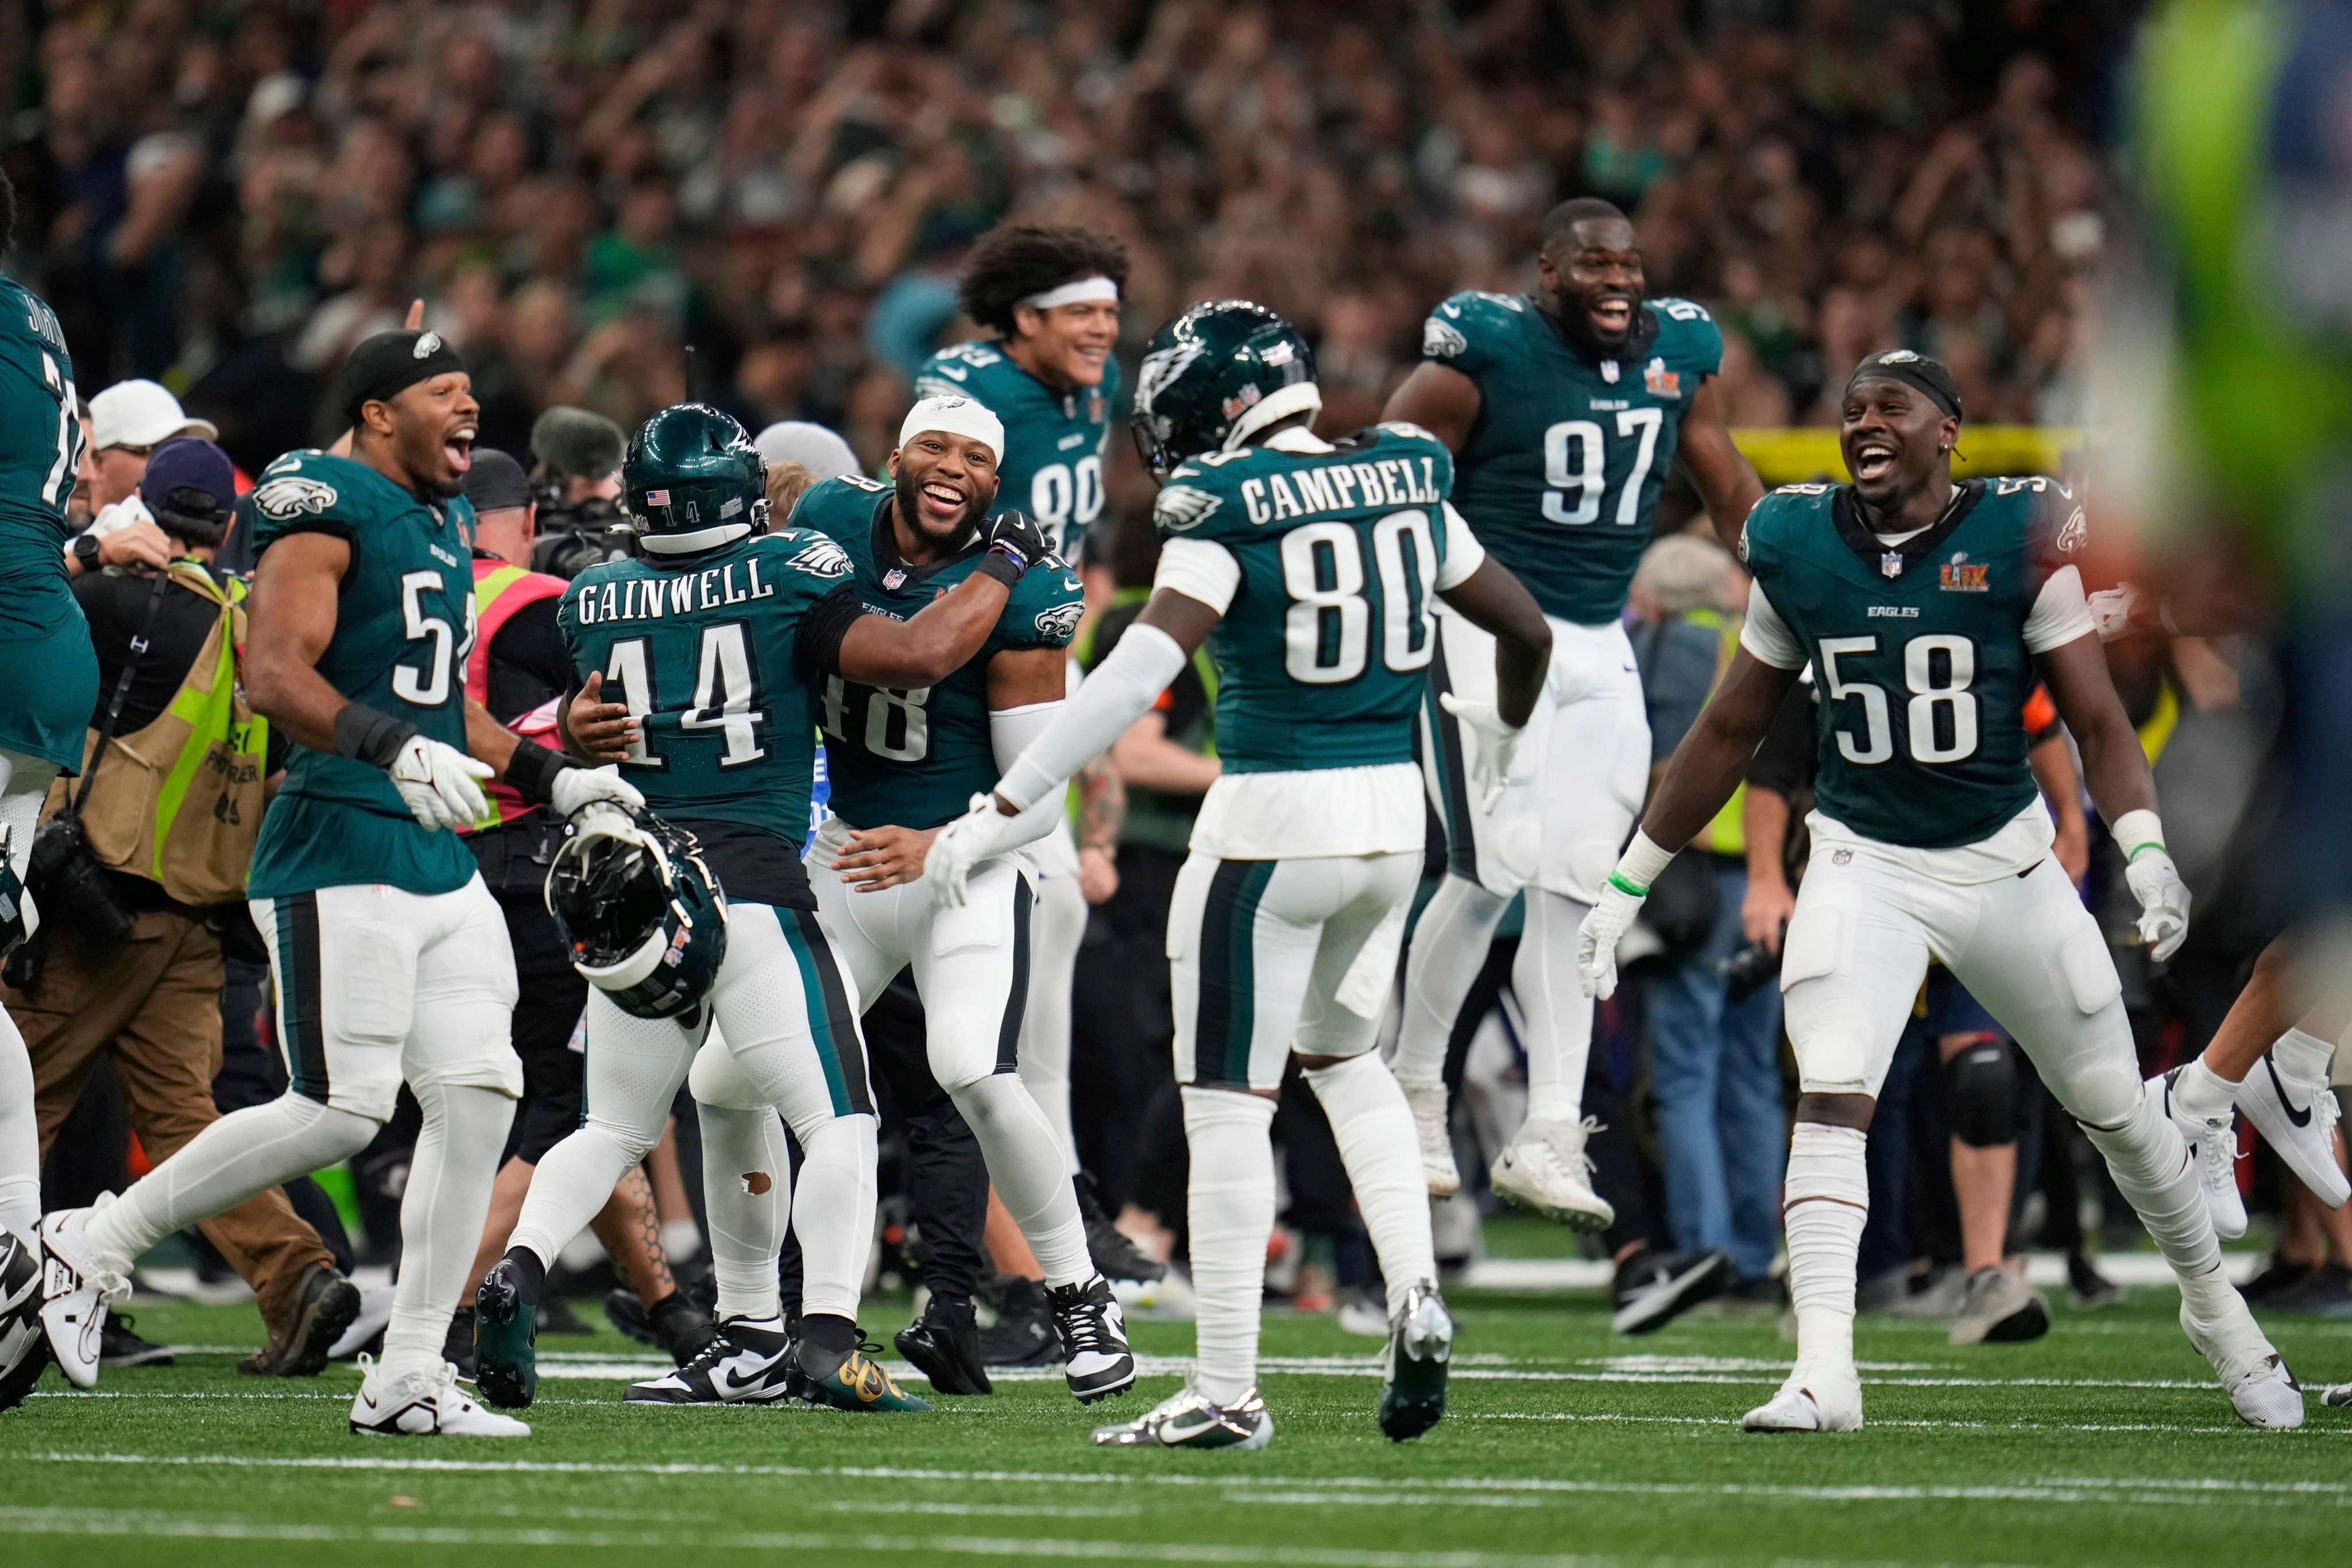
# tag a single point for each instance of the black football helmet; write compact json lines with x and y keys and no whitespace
{"x":24,"y":1345}
{"x":692,"y":480}
{"x":1212,"y":375}
{"x":643,"y":916}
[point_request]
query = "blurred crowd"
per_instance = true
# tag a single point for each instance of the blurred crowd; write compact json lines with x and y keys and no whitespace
{"x":224,"y":198}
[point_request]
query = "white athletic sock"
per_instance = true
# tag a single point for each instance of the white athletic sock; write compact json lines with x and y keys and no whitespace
{"x":573,"y":1183}
{"x":2156,"y":1173}
{"x":20,"y":1134}
{"x":1057,"y":926}
{"x":743,"y":1150}
{"x":1448,"y":949}
{"x":1030,"y":1174}
{"x":441,"y":1215}
{"x":2203,"y":1093}
{"x":2305,"y":1054}
{"x":1559,"y":1015}
{"x":1373,"y":1127}
{"x":1231,"y":1211}
{"x":832,"y":1214}
{"x":244,"y":1152}
{"x":1826,"y":1206}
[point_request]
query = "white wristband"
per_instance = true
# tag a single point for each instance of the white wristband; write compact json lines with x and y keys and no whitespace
{"x":2137,"y":830}
{"x":1639,"y":867}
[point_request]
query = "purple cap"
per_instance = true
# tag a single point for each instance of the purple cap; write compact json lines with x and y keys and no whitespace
{"x":190,"y":478}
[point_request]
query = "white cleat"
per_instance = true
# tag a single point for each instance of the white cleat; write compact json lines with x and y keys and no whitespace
{"x":1428,"y":1103}
{"x":2215,"y":1143}
{"x":2337,"y":1396}
{"x":2260,"y":1388}
{"x":423,"y":1404}
{"x":1815,"y":1399}
{"x":76,"y":1286}
{"x":1189,"y":1419}
{"x":2296,"y":1116}
{"x":1545,"y":1169}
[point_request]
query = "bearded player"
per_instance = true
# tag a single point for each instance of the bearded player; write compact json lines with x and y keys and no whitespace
{"x":904,"y":763}
{"x":391,"y":956}
{"x":1564,"y":408}
{"x":1311,"y":570}
{"x":1926,"y":609}
{"x":719,"y":637}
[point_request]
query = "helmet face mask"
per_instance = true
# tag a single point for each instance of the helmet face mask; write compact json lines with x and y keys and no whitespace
{"x":644,"y":919}
{"x":1213,"y":375}
{"x":691,"y":480}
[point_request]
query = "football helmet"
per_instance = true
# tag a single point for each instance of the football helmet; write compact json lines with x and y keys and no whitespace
{"x":1219,"y":372}
{"x":692,"y":480}
{"x":24,"y":1346}
{"x":644,"y":918}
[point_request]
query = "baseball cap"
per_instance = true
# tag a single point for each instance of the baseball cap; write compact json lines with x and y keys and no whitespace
{"x":191,"y":478}
{"x":813,"y":447}
{"x":142,"y":413}
{"x":496,"y":481}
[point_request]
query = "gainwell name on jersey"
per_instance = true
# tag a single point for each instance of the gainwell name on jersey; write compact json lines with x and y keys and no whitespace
{"x":738,"y":582}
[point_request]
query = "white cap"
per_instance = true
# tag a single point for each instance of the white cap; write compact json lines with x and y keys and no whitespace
{"x":142,"y":413}
{"x":958,"y":416}
{"x":813,"y":447}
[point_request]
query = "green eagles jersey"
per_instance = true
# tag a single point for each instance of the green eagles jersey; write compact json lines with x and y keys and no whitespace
{"x":1919,"y":652}
{"x":1324,"y":652}
{"x":53,"y":670}
{"x":704,"y":649}
{"x":916,"y":758}
{"x":403,"y":625}
{"x":1561,"y":475}
{"x":1053,"y":466}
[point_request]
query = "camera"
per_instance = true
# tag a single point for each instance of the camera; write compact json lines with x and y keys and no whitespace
{"x":1749,"y":967}
{"x":70,"y":885}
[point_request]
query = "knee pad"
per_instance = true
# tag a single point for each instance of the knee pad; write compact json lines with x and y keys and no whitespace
{"x":1833,"y":1046}
{"x":717,"y":1078}
{"x":1980,"y":1088}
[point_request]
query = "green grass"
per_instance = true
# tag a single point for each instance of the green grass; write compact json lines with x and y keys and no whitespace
{"x":2075,"y":1449}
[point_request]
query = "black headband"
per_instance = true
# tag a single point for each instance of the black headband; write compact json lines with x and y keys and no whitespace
{"x":389,"y":363}
{"x":1912,"y":370}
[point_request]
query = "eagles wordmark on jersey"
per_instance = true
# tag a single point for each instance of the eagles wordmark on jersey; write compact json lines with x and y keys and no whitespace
{"x":1052,"y":467}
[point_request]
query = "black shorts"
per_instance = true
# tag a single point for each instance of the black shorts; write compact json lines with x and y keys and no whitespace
{"x":550,"y":998}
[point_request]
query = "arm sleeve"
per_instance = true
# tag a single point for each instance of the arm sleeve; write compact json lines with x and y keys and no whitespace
{"x":1463,"y":551}
{"x":1198,"y":569}
{"x":1768,"y":637}
{"x":1010,"y":732}
{"x":1122,"y":690}
{"x":2060,"y":614}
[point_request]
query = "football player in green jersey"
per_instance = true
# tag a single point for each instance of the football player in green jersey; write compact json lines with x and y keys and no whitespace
{"x":1564,"y":410}
{"x":1925,"y":609}
{"x":390,"y":956}
{"x":720,"y":638}
{"x":1311,"y":570}
{"x":904,"y":763}
{"x":53,"y":688}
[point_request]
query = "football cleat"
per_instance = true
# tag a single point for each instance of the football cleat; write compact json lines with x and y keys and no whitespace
{"x":1096,"y":1362}
{"x":2338,"y":1394}
{"x":1544,"y":1168}
{"x":1189,"y":1419}
{"x":944,"y":1346}
{"x":118,"y":1346}
{"x":2296,"y":1117}
{"x":1024,"y":1334}
{"x":1999,"y":1309}
{"x":853,"y":1381}
{"x":423,"y":1404}
{"x":24,"y":1348}
{"x":2261,"y":1389}
{"x":506,"y":1340}
{"x":745,"y":1364}
{"x":1412,"y":1368}
{"x":325,"y":1305}
{"x":1813,"y":1399}
{"x":2214,"y":1141}
{"x":1653,"y":1288}
{"x":1428,"y":1103}
{"x":75,"y":1287}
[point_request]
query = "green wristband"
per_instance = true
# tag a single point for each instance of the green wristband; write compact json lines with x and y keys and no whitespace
{"x":1622,"y":885}
{"x":2139,"y":849}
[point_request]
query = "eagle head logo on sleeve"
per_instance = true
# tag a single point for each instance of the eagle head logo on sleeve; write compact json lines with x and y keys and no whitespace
{"x":822,"y":558}
{"x":290,"y":495}
{"x":1440,"y":340}
{"x":1059,"y":623}
{"x":1181,"y":507}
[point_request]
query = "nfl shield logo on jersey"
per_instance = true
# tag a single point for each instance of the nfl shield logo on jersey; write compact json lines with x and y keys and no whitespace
{"x":1891,"y":563}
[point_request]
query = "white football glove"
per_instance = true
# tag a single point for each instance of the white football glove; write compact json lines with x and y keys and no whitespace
{"x":2111,"y":610}
{"x":2163,"y":897}
{"x":981,"y":832}
{"x":1495,"y":747}
{"x":576,"y":789}
{"x":440,"y":784}
{"x":1597,"y":939}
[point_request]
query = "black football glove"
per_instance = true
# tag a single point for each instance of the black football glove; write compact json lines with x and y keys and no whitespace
{"x":1016,"y":535}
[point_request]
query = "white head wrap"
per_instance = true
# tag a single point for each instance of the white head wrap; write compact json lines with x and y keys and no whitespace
{"x":1084,"y":288}
{"x":957,"y":416}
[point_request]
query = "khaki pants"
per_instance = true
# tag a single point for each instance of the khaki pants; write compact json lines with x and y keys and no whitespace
{"x":154,"y":1002}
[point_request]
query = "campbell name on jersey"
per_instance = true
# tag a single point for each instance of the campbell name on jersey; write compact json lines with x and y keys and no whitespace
{"x":704,"y":650}
{"x":1323,"y":653}
{"x":403,"y":625}
{"x":1053,"y":462}
{"x":1920,"y":652}
{"x":915,"y":758}
{"x":1561,"y":475}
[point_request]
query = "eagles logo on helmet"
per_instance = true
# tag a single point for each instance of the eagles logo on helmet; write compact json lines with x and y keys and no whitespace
{"x":1215,"y":373}
{"x":644,"y":917}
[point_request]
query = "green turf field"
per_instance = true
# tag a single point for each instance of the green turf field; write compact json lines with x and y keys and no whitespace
{"x":2104,"y":1443}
